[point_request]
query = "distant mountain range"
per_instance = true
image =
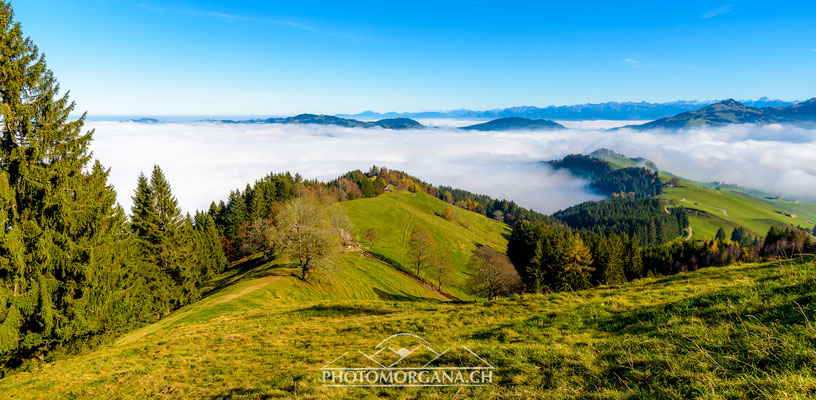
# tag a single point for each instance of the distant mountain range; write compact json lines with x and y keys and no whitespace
{"x":388,"y":123}
{"x":731,"y":111}
{"x":143,"y":120}
{"x":514,"y":123}
{"x":609,"y":110}
{"x":761,"y":112}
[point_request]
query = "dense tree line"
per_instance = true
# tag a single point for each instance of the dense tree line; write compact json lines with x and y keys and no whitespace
{"x":72,"y":266}
{"x":550,"y":257}
{"x":256,"y":204}
{"x":625,"y":182}
{"x":645,"y":219}
{"x":554,"y":258}
{"x":786,"y":242}
{"x":504,"y":210}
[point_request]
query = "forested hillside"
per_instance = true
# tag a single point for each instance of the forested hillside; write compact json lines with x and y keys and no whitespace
{"x":648,"y":220}
{"x":623,"y":182}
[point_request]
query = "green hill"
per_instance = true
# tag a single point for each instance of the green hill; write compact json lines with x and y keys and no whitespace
{"x":713,"y":206}
{"x":729,"y":207}
{"x":730,"y":111}
{"x":320,"y":119}
{"x":396,"y":214}
{"x":514,"y":123}
{"x":743,"y":331}
{"x":618,"y":161}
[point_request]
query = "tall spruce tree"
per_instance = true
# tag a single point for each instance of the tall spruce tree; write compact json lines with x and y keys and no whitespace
{"x":63,"y":247}
{"x":720,"y":234}
{"x":168,"y":243}
{"x":213,"y":259}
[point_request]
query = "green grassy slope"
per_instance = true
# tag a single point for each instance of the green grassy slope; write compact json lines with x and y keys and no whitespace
{"x":737,"y":332}
{"x":752,"y":209}
{"x":396,"y":214}
{"x":728,"y":208}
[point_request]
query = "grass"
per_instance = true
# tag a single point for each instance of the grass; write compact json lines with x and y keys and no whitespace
{"x":396,"y":214}
{"x":737,"y":332}
{"x":741,"y":209}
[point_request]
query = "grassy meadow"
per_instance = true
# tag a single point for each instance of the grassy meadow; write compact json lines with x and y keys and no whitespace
{"x":754,"y":213}
{"x":396,"y":214}
{"x":734,"y":332}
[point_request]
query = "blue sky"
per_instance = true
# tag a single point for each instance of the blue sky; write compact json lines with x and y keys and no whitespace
{"x":170,"y":57}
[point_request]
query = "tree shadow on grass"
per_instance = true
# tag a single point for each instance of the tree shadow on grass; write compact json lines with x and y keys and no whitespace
{"x":257,"y":267}
{"x":241,"y":393}
{"x":402,"y":296}
{"x":777,"y":304}
{"x":336,"y":310}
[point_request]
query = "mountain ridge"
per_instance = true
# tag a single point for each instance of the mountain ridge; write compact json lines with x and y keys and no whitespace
{"x":730,"y":111}
{"x":611,"y":110}
{"x":514,"y":123}
{"x":323,"y":119}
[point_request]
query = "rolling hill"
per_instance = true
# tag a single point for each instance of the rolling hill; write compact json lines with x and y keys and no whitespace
{"x":731,"y":111}
{"x":619,"y":161}
{"x":715,"y":206}
{"x":391,"y":123}
{"x":395,"y":215}
{"x":728,"y":208}
{"x":740,"y":332}
{"x":514,"y":123}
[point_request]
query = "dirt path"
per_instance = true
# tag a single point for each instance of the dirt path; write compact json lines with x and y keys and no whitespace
{"x":703,"y":205}
{"x":412,"y":276}
{"x":691,"y":232}
{"x":259,"y":283}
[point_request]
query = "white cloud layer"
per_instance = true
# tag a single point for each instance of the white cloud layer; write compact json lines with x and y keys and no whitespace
{"x":204,"y":161}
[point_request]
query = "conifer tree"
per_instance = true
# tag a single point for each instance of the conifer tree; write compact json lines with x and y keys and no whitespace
{"x":720,"y":234}
{"x":168,"y":243}
{"x":144,"y":220}
{"x":63,"y":247}
{"x":212,"y":253}
{"x":632,"y":258}
{"x":578,"y":267}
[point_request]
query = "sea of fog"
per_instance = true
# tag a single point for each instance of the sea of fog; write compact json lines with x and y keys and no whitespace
{"x":204,"y":161}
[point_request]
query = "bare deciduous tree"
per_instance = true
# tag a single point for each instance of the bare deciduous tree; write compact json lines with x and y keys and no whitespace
{"x":305,"y":235}
{"x":372,"y":234}
{"x":259,"y":237}
{"x":420,"y":248}
{"x":493,"y":274}
{"x":442,"y":268}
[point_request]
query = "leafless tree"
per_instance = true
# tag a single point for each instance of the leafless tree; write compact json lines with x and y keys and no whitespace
{"x":305,"y":235}
{"x":421,"y":248}
{"x":493,"y":274}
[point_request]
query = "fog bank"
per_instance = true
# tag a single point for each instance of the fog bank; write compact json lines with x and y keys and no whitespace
{"x":204,"y":161}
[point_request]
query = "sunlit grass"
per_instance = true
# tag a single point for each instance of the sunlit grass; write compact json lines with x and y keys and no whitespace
{"x":396,"y":214}
{"x":735,"y":332}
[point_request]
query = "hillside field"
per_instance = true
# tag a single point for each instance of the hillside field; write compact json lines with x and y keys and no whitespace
{"x":728,"y":208}
{"x":396,"y":214}
{"x":723,"y":205}
{"x":735,"y":332}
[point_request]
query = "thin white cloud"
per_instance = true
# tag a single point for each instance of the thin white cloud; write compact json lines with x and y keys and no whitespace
{"x":717,"y":11}
{"x":631,"y":61}
{"x":204,"y":161}
{"x":227,"y":17}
